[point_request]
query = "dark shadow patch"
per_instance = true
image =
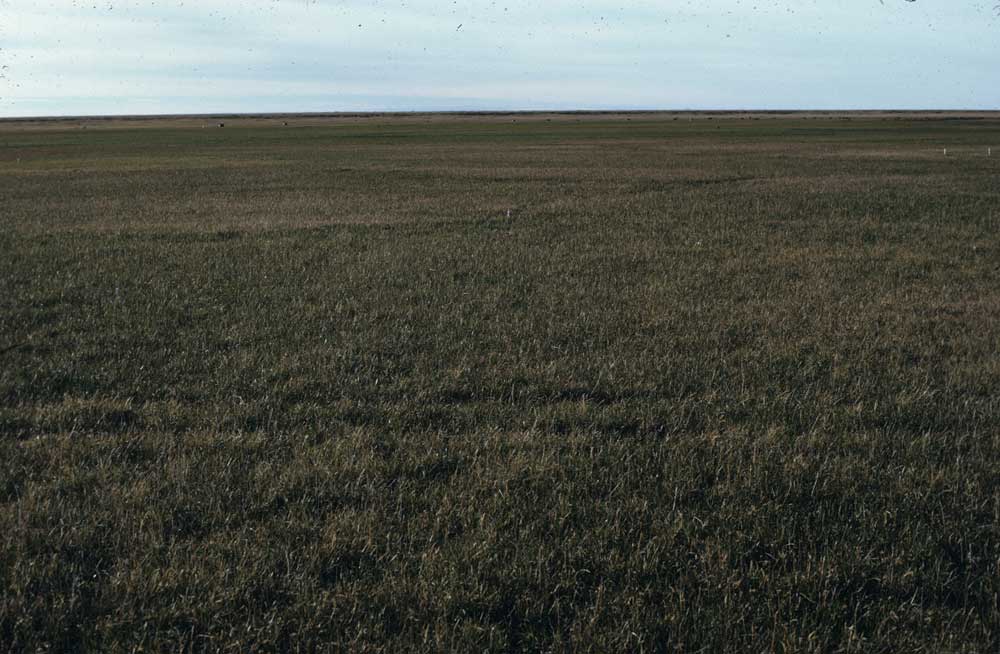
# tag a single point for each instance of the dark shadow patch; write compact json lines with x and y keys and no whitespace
{"x":13,"y":426}
{"x":434,"y":471}
{"x":184,"y":524}
{"x":225,"y":235}
{"x":456,"y":396}
{"x":581,"y":394}
{"x":345,"y":566}
{"x":654,"y":186}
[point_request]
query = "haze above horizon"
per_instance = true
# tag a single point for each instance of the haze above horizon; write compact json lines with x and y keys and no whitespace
{"x":63,"y":57}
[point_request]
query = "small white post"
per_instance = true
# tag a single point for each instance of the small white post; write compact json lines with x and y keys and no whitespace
{"x":946,"y":152}
{"x":989,"y":152}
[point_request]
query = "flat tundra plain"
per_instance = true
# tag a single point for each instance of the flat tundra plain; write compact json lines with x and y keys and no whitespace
{"x":563,"y":383}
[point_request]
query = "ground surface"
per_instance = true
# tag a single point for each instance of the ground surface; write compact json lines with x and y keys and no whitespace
{"x":519,"y":383}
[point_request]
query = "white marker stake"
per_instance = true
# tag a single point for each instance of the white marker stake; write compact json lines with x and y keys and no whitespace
{"x":946,"y":152}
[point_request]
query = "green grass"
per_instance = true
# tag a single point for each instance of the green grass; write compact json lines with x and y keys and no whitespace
{"x":710,"y":385}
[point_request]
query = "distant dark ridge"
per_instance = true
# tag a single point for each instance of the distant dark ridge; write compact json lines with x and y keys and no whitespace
{"x":957,"y":113}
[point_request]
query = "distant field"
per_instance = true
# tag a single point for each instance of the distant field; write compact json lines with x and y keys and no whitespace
{"x":652,"y":382}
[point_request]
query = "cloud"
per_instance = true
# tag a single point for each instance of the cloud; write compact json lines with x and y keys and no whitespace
{"x":67,"y":57}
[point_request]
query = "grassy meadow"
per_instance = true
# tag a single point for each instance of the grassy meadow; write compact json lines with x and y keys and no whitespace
{"x":566,"y":383}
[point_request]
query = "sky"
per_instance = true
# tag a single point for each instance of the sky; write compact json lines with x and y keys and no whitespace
{"x":101,"y":57}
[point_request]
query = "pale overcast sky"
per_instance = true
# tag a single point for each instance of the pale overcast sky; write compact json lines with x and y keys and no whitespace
{"x":64,"y":57}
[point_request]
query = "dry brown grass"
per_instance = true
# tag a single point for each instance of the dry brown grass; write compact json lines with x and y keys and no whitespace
{"x":714,"y":385}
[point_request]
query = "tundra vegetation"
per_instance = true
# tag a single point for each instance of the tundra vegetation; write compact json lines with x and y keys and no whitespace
{"x":719,"y":383}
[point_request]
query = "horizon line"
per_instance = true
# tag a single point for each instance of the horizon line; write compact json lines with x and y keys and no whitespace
{"x":481,"y":112}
